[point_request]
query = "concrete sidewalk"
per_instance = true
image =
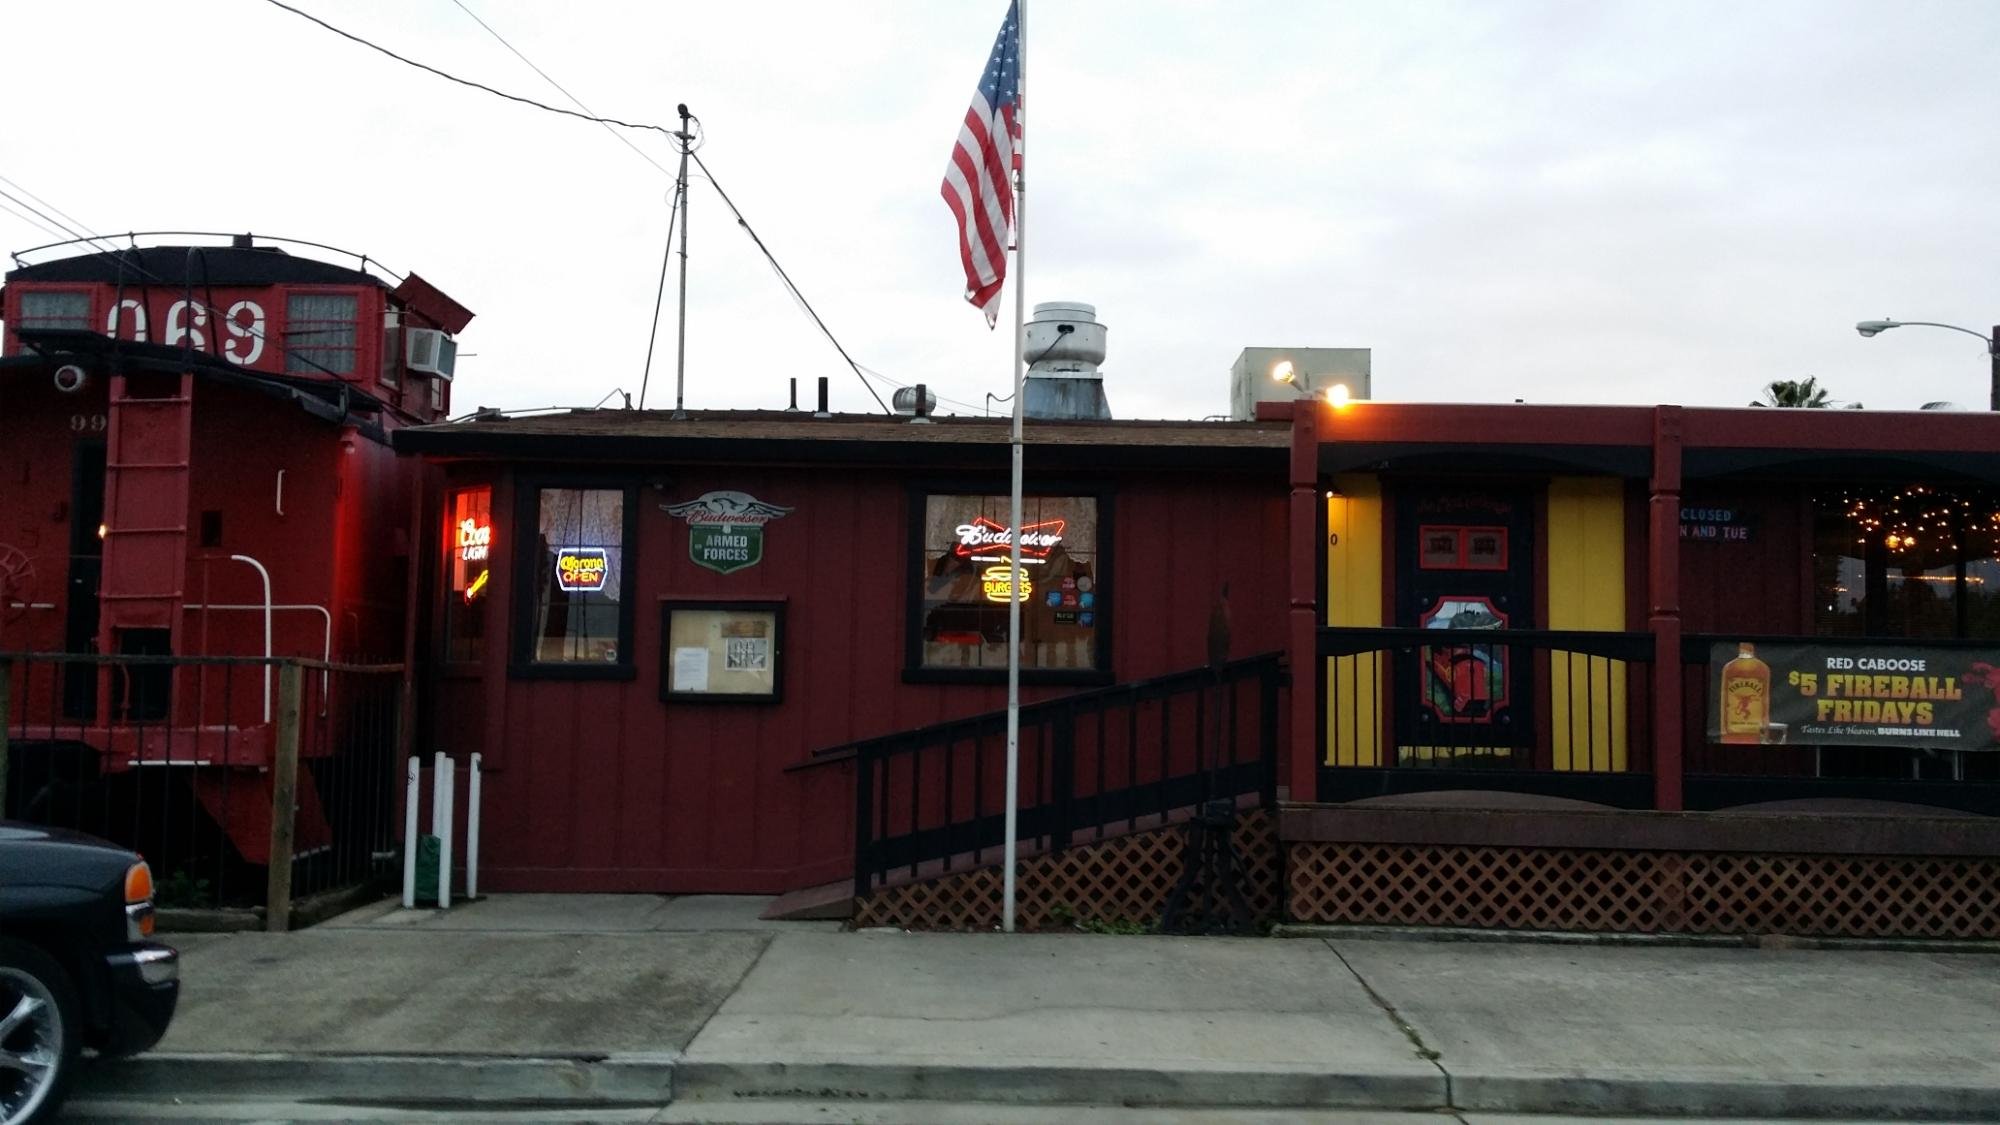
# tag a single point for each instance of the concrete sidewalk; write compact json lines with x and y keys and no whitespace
{"x":585,"y":1002}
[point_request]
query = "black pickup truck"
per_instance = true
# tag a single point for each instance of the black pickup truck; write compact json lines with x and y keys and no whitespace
{"x":77,"y":966}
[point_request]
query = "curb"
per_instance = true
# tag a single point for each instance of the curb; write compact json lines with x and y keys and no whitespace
{"x":1113,"y":1086}
{"x":578,"y":1080}
{"x":1448,"y":934}
{"x":642,"y":1080}
{"x":1810,"y":1096}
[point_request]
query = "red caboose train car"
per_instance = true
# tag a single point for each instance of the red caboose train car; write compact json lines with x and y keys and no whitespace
{"x":194,"y":464}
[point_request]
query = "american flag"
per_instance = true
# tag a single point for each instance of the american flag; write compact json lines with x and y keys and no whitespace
{"x":977,"y":187}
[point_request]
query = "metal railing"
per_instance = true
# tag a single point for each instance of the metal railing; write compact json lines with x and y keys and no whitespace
{"x":1561,"y":712}
{"x":932,"y":800}
{"x":173,"y":758}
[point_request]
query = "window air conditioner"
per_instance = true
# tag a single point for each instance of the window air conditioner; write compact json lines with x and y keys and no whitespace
{"x":431,"y":352}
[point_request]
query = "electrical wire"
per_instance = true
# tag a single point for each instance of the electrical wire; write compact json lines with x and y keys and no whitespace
{"x":467,"y":81}
{"x":574,"y":100}
{"x":45,"y":203}
{"x":36,"y":223}
{"x":659,"y":298}
{"x":93,"y":239}
{"x":786,"y":278}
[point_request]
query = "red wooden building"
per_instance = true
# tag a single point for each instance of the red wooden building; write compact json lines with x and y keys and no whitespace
{"x":666,"y":618}
{"x":195,"y":440}
{"x":757,"y":651}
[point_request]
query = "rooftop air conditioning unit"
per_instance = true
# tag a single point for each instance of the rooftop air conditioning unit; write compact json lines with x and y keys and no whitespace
{"x":431,"y":352}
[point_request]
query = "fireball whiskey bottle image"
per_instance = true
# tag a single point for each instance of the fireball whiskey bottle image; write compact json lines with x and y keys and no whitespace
{"x":1746,"y":697}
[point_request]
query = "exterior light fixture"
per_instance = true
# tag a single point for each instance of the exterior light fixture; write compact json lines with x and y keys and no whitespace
{"x":1337,"y":395}
{"x":1875,"y":327}
{"x":1285,"y":373}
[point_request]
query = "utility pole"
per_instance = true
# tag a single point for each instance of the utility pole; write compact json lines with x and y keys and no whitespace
{"x":685,"y":139}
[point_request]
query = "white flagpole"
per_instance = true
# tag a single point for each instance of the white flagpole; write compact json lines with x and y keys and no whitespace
{"x":1014,"y":498}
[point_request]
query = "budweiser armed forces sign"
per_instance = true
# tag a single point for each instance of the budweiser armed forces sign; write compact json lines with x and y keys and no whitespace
{"x":725,"y":529}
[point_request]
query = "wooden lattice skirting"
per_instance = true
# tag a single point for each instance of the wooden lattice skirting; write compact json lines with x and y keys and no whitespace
{"x":1633,"y":891}
{"x":1121,"y":879}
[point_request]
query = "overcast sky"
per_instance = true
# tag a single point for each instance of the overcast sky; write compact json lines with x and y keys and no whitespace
{"x":1576,"y":202}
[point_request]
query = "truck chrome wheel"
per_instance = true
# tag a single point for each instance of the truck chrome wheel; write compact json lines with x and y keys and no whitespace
{"x":31,"y":1045}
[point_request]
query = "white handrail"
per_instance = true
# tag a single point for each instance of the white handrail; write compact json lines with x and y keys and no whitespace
{"x":266,"y":576}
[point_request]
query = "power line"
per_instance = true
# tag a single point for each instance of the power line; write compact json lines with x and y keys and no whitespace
{"x":45,"y":203}
{"x":93,"y":238}
{"x":467,"y":81}
{"x":786,"y":278}
{"x":37,"y":223}
{"x":574,"y":100}
{"x":588,"y":116}
{"x":653,"y":337}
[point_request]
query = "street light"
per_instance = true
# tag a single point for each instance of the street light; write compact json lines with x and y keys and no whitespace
{"x":1872,"y":327}
{"x":1336,"y":395}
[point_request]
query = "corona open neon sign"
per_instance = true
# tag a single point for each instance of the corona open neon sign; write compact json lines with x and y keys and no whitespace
{"x":581,"y":570}
{"x":995,"y":583}
{"x":983,"y":539}
{"x":475,"y":540}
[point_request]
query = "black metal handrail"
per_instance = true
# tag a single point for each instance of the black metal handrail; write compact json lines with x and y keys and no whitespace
{"x":1031,"y":713}
{"x":933,"y":796}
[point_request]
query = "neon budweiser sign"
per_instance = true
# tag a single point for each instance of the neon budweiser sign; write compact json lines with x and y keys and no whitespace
{"x":982,"y":536}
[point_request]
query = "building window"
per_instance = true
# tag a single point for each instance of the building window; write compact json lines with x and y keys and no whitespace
{"x":320,"y":333}
{"x":964,"y":583}
{"x":577,"y":586}
{"x":54,"y":310}
{"x":468,"y":559}
{"x":1911,"y":561}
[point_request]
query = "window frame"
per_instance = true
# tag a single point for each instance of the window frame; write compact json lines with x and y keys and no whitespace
{"x":16,"y":323}
{"x":915,"y":559}
{"x":521,"y":662}
{"x":494,"y":560}
{"x":774,"y":606}
{"x":287,"y":346}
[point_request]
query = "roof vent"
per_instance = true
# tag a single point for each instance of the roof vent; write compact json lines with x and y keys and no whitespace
{"x":918,"y":402}
{"x":1063,"y":343}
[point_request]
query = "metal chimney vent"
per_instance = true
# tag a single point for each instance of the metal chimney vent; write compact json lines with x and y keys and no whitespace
{"x":1063,"y":344}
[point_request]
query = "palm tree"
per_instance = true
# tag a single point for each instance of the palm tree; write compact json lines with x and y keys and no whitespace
{"x":1806,"y":393}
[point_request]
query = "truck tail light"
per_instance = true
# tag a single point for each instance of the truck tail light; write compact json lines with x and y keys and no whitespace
{"x":139,"y":902}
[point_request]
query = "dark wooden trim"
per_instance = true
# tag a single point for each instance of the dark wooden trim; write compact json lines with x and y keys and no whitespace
{"x":1755,"y":832}
{"x":527,"y":499}
{"x":1483,"y":458}
{"x":1103,"y":563}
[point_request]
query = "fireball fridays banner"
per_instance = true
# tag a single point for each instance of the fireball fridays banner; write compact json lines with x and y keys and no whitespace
{"x":1830,"y":694}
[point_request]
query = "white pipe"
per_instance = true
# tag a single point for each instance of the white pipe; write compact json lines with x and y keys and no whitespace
{"x":472,"y":830}
{"x":412,"y":782}
{"x":266,"y":576}
{"x":444,"y":783}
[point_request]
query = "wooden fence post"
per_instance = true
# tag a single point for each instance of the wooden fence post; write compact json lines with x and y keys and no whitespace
{"x":6,"y":721}
{"x":284,"y":800}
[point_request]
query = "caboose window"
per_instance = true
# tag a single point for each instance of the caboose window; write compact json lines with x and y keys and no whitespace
{"x":320,"y":333}
{"x":579,"y":580}
{"x":54,"y":310}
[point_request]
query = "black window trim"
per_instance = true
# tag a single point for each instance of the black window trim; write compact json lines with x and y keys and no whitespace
{"x":913,"y":602}
{"x":521,"y":664}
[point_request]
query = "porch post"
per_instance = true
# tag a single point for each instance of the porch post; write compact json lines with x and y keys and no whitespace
{"x":1307,"y":676}
{"x":1663,"y":555}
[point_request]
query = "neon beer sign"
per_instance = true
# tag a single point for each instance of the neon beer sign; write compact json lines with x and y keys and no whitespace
{"x":983,"y":539}
{"x":581,"y":570}
{"x":475,"y":540}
